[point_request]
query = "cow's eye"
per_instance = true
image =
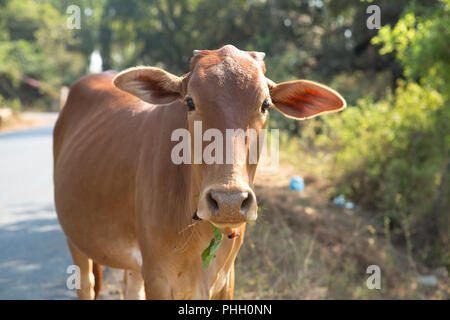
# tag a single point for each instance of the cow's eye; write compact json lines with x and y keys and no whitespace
{"x":265,"y":106}
{"x":190,"y":104}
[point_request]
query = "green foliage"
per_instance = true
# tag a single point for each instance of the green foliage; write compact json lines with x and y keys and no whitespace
{"x":210,"y":252}
{"x":35,"y":51}
{"x":421,"y":44}
{"x":302,"y":39}
{"x":388,"y":152}
{"x":392,"y":156}
{"x":13,"y":104}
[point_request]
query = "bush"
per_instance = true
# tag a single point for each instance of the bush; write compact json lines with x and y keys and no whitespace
{"x":391,"y":156}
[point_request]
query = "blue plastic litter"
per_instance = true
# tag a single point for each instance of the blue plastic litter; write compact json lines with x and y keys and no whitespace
{"x":297,"y":183}
{"x":349,"y":205}
{"x":339,"y":201}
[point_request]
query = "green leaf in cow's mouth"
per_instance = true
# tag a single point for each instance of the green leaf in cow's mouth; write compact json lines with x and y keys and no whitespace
{"x":210,"y":252}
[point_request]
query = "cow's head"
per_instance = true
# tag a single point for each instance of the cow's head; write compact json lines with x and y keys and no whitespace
{"x":227,"y":89}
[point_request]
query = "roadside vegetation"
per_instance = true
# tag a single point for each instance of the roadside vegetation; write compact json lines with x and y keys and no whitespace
{"x":391,"y":157}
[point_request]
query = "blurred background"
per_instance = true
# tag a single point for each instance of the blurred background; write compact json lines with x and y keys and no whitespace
{"x":376,"y":176}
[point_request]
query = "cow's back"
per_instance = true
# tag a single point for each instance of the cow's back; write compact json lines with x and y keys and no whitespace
{"x":96,"y":148}
{"x":91,"y":96}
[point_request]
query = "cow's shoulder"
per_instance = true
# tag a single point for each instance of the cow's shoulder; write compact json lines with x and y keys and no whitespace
{"x":94,"y":82}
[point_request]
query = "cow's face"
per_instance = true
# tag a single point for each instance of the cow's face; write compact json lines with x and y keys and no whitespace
{"x":226,"y":94}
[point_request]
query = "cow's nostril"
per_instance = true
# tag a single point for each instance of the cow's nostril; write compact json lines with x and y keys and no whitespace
{"x":212,"y":203}
{"x":245,"y":205}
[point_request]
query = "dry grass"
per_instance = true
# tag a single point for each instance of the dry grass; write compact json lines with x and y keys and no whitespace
{"x":302,"y":247}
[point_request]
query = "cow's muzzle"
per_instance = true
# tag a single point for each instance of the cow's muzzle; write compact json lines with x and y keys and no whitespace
{"x":227,"y":207}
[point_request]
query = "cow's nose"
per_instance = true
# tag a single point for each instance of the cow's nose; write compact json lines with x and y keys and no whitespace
{"x":231,"y":206}
{"x":231,"y":201}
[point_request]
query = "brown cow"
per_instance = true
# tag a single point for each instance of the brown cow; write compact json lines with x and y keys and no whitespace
{"x":121,"y":200}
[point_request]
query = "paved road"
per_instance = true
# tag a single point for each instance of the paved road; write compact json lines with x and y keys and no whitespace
{"x":33,"y":252}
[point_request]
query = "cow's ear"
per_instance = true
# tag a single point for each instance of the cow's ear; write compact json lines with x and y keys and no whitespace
{"x":150,"y":84}
{"x":302,"y":99}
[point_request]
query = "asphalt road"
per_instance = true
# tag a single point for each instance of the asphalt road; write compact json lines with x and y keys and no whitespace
{"x":33,"y":252}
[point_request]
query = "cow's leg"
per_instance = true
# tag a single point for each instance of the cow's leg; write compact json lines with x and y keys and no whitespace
{"x":87,"y":281}
{"x":157,"y":288}
{"x":228,"y":290}
{"x":133,"y":285}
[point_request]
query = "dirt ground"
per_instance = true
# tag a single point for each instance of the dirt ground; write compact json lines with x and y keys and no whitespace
{"x":303,"y":247}
{"x":27,"y":120}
